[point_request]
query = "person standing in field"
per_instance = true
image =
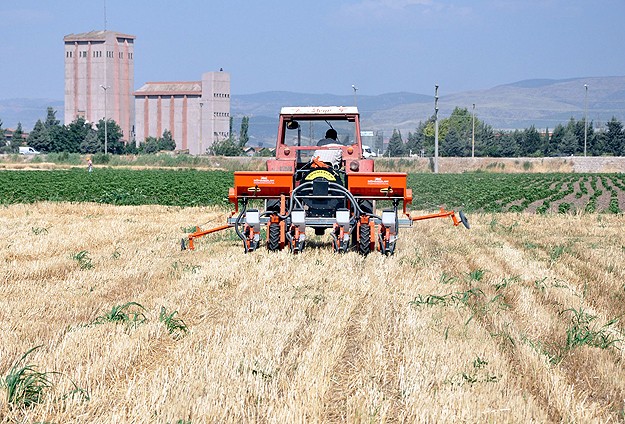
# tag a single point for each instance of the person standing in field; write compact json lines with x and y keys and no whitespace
{"x":89,"y":164}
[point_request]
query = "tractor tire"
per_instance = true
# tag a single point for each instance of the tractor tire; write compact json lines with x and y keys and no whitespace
{"x":364,"y":246}
{"x":273,"y":237}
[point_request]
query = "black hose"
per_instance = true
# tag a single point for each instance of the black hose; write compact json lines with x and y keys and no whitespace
{"x":334,"y":186}
{"x":236,"y":226}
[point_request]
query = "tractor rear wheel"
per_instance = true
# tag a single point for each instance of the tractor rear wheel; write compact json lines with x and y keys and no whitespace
{"x":273,"y":237}
{"x":364,"y":244}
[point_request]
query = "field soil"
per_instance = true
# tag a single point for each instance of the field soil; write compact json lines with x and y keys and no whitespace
{"x":515,"y":320}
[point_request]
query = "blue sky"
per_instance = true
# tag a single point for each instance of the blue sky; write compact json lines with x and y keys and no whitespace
{"x":323,"y":46}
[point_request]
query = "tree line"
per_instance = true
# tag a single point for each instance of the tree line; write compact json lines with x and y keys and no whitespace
{"x":80,"y":136}
{"x":456,"y":136}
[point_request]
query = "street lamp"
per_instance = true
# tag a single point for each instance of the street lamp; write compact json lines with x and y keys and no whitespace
{"x":355,"y":89}
{"x":585,"y":117}
{"x":201,"y":122}
{"x":436,"y":129}
{"x":106,"y":136}
{"x":473,"y":134}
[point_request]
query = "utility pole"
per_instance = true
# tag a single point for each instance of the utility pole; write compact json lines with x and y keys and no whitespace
{"x":585,"y":118}
{"x":201,"y":122}
{"x":473,"y":134}
{"x":436,"y":129}
{"x":106,"y":136}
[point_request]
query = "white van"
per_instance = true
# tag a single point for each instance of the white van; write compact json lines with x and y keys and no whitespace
{"x":367,"y":153}
{"x":26,"y":150}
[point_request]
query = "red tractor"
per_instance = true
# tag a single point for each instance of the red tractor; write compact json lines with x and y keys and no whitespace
{"x":319,"y":179}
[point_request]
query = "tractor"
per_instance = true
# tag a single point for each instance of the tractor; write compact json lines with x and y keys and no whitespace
{"x":321,"y":183}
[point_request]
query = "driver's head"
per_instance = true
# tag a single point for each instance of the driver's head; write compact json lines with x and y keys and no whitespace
{"x":331,"y":133}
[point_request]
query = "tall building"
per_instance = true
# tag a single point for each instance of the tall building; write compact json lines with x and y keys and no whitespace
{"x":197,"y":113}
{"x":99,"y":78}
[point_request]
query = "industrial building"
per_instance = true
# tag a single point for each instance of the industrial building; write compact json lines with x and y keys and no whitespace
{"x":99,"y":78}
{"x":197,"y":113}
{"x":99,"y":83}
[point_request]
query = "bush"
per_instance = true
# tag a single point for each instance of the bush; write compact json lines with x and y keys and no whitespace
{"x":64,"y":157}
{"x":101,"y":159}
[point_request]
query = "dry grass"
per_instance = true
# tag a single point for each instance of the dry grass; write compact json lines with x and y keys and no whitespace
{"x":311,"y":338}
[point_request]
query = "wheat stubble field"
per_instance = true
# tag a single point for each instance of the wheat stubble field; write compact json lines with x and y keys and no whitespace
{"x":515,"y":320}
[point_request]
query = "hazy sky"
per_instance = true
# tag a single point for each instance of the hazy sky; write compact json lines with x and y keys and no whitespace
{"x":322,"y":46}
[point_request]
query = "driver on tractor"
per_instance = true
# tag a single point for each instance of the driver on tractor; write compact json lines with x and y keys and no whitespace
{"x":332,"y":157}
{"x":331,"y":138}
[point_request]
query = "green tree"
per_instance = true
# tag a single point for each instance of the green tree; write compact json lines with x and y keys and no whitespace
{"x":149,"y":145}
{"x":555,"y":141}
{"x":51,"y":120}
{"x":425,"y":132}
{"x":485,"y":141}
{"x":460,"y":121}
{"x":91,"y":143}
{"x":114,"y":143}
{"x":613,"y":140}
{"x":591,"y":139}
{"x":166,"y":142}
{"x":77,"y":133}
{"x":531,"y":143}
{"x":56,"y":132}
{"x":18,"y":134}
{"x":243,"y":134}
{"x":414,"y":144}
{"x":509,"y":143}
{"x":395,"y":145}
{"x":131,"y":147}
{"x":3,"y":139}
{"x":545,"y":143}
{"x":225,"y":147}
{"x":430,"y":131}
{"x":453,"y":145}
{"x":568,"y":144}
{"x":39,"y":138}
{"x":265,"y":152}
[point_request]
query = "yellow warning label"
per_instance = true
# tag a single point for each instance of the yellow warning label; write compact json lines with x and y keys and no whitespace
{"x":320,"y":173}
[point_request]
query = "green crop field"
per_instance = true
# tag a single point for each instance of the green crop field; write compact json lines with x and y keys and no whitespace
{"x":472,"y":192}
{"x":520,"y":192}
{"x":117,"y":187}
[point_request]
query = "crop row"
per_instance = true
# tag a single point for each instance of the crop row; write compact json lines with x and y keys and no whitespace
{"x":518,"y":192}
{"x":471,"y":192}
{"x":117,"y":186}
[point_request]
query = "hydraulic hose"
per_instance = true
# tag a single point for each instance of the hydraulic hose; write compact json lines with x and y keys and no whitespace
{"x":238,"y":222}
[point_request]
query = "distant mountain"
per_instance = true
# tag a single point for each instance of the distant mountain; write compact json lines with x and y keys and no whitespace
{"x":540,"y":102}
{"x":543,"y":103}
{"x":28,"y":111}
{"x":263,"y":108}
